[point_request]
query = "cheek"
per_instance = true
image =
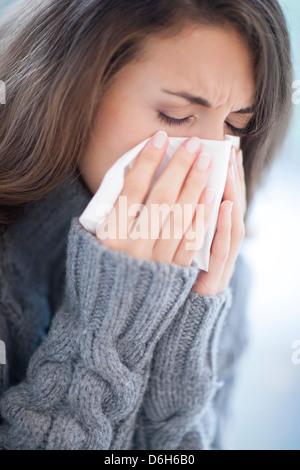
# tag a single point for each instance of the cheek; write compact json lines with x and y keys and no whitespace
{"x":121,"y":123}
{"x":116,"y":130}
{"x":125,"y":124}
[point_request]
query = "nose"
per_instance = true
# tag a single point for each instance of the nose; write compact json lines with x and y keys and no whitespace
{"x":211,"y":129}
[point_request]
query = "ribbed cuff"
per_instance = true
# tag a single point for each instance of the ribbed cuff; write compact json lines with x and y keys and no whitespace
{"x":129,"y":301}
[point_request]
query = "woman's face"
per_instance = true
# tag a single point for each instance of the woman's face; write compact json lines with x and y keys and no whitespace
{"x":211,"y":64}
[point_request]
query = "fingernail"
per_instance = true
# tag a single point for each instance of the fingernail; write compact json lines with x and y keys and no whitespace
{"x":159,"y":139}
{"x":209,"y":196}
{"x":193,"y":145}
{"x":204,"y":161}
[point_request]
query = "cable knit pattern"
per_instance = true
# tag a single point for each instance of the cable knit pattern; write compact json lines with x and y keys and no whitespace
{"x":220,"y":326}
{"x":82,"y":378}
{"x":141,"y":297}
{"x":184,"y":378}
{"x":104,"y":351}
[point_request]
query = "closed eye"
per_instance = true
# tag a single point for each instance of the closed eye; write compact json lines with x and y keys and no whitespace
{"x":180,"y":122}
{"x":235,"y":130}
{"x":172,"y":121}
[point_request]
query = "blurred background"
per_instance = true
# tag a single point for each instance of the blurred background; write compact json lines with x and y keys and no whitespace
{"x":267,"y":398}
{"x":266,"y":402}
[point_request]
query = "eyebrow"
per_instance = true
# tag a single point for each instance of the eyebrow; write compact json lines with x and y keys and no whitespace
{"x":202,"y":102}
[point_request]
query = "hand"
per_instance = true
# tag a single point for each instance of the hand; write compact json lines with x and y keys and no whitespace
{"x":230,"y":232}
{"x":182,"y":182}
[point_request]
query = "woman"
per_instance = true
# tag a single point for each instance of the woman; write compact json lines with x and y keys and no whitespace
{"x":122,"y":344}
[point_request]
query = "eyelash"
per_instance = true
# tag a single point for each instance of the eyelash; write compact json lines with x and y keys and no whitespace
{"x":180,"y":122}
{"x":235,"y":130}
{"x":172,"y":121}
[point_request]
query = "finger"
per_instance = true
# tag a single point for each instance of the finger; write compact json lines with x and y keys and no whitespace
{"x":138,"y":179}
{"x":231,"y":190}
{"x":237,"y":231}
{"x":196,"y":180}
{"x":237,"y":237}
{"x":208,"y":282}
{"x":136,"y":183}
{"x":229,"y":267}
{"x":234,"y":173}
{"x":237,"y":177}
{"x":184,"y":210}
{"x":241,"y":171}
{"x":240,"y":165}
{"x":169,"y":185}
{"x":166,"y":190}
{"x":194,"y":236}
{"x":236,"y":161}
{"x":230,"y":193}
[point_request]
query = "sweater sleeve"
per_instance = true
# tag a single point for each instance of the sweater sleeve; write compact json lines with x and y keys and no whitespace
{"x":187,"y":404}
{"x":184,"y":378}
{"x":85,"y":382}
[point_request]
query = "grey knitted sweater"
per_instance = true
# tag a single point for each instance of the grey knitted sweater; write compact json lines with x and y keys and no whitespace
{"x":104,"y":351}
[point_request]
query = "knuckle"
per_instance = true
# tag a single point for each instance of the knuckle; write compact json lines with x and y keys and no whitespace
{"x":221,"y":251}
{"x":133,"y":184}
{"x":224,"y":253}
{"x":162,"y":195}
{"x":194,"y":179}
{"x":239,"y":232}
{"x":149,"y":156}
{"x":177,"y":227}
{"x":184,"y":161}
{"x":224,"y":249}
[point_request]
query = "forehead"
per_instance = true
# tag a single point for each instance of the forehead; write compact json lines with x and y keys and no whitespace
{"x":207,"y":59}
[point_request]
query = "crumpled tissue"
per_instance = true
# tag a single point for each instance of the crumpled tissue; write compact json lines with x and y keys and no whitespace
{"x":112,"y":184}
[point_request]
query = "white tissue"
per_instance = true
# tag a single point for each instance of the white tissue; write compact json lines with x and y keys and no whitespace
{"x":112,"y":184}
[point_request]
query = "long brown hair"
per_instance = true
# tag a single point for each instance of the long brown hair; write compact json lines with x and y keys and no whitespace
{"x":58,"y":56}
